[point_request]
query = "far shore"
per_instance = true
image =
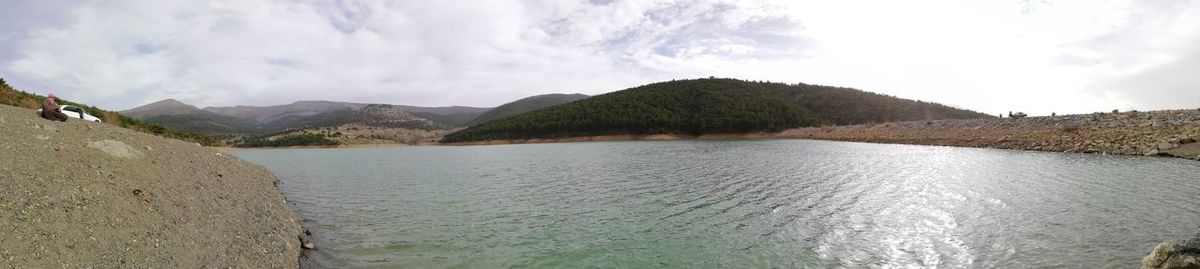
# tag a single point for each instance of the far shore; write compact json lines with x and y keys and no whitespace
{"x":630,"y":137}
{"x":228,"y":149}
{"x":1155,"y":133}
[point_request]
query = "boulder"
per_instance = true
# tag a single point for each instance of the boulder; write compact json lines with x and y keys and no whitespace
{"x":1167,"y":255}
{"x":1164,"y":146}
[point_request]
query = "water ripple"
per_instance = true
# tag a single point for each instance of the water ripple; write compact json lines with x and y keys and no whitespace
{"x":742,"y":204}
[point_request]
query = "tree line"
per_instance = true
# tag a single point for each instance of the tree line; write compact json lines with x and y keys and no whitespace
{"x":708,"y":106}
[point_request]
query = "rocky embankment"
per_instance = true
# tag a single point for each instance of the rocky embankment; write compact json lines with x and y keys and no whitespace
{"x":1169,"y":133}
{"x":87,"y":195}
{"x":1174,"y":255}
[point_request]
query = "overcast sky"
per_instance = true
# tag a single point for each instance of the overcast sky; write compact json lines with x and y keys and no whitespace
{"x":1037,"y":56}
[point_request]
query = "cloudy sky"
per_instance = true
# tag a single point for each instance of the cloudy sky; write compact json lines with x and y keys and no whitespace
{"x":1038,"y":56}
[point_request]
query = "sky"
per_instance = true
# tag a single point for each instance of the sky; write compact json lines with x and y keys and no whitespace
{"x":1035,"y":56}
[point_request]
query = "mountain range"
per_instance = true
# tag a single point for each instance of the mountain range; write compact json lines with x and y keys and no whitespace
{"x":244,"y":121}
{"x":677,"y":107}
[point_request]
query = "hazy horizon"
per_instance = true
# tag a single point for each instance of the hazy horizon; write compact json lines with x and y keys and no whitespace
{"x":989,"y":56}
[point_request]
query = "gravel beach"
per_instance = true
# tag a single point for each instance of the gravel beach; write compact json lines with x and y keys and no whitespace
{"x":89,"y":195}
{"x":1154,"y":133}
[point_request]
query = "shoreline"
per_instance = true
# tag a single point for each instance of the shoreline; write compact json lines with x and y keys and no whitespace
{"x":1172,"y":133}
{"x":227,"y":149}
{"x":607,"y":138}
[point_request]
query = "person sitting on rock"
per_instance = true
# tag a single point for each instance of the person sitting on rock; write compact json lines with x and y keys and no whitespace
{"x":51,"y":111}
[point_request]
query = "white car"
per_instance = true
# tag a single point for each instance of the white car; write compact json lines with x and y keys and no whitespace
{"x":75,"y":112}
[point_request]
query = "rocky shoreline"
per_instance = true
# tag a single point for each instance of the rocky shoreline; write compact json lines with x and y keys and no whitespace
{"x":1174,"y":255}
{"x":88,"y":195}
{"x":1154,"y":133}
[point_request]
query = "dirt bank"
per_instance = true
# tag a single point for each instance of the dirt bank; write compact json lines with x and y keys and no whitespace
{"x":86,"y":195}
{"x":1171,"y":132}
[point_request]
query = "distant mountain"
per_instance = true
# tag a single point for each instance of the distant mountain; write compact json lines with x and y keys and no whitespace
{"x":163,"y":107}
{"x":390,"y":116}
{"x":708,"y":106}
{"x":254,"y":121}
{"x":527,"y":104}
{"x":455,"y":116}
{"x":178,"y":115}
{"x":267,"y":114}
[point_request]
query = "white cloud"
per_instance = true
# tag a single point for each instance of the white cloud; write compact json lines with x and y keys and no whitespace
{"x":992,"y":56}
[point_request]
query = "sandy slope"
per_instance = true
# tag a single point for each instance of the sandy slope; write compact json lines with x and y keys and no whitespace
{"x":82,"y":195}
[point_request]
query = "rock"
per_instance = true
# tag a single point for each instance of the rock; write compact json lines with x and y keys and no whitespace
{"x":1164,"y":146}
{"x":1172,"y":256}
{"x":116,"y":149}
{"x":1153,"y":152}
{"x":309,"y":245}
{"x":1187,"y":141}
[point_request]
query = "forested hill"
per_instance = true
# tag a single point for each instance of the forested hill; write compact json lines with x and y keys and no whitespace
{"x":527,"y":104}
{"x":708,"y":106}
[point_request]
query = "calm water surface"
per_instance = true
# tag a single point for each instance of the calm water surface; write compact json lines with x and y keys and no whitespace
{"x":733,"y":204}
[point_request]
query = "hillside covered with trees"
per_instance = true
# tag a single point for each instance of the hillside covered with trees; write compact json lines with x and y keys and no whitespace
{"x":708,"y":106}
{"x":527,"y":104}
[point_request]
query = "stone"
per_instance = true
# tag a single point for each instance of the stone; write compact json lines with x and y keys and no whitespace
{"x":1164,"y":146}
{"x":115,"y":149}
{"x":1171,"y":256}
{"x":309,"y":245}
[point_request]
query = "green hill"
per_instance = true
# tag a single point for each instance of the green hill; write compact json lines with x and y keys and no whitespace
{"x":708,"y":106}
{"x":527,"y":104}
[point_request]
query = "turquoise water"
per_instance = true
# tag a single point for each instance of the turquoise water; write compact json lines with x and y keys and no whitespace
{"x":732,"y":204}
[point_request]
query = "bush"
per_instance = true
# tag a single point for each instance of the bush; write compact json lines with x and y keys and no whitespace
{"x":289,"y":140}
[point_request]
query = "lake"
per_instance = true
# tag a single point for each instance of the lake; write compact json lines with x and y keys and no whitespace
{"x":732,"y":204}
